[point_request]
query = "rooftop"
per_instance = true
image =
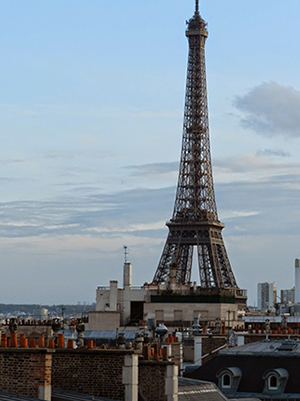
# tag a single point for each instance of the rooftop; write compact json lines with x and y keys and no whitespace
{"x":199,"y":390}
{"x":266,"y":347}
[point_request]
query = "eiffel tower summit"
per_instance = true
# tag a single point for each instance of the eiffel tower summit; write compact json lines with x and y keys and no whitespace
{"x":171,"y":297}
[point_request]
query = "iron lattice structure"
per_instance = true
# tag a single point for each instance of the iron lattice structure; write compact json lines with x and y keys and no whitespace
{"x":195,"y":218}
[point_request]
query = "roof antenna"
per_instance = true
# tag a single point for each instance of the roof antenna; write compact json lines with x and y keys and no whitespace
{"x":125,"y":253}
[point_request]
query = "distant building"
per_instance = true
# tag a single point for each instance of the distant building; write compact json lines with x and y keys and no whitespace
{"x":266,"y":296}
{"x":287,"y":296}
{"x":297,"y":280}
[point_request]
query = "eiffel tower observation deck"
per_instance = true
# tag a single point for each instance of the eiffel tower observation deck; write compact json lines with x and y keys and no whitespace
{"x":195,"y":222}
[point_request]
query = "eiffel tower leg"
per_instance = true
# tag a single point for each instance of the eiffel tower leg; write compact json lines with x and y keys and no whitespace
{"x":225,"y":269}
{"x":206,"y":267}
{"x":184,"y":263}
{"x":167,"y":257}
{"x":181,"y":256}
{"x":214,"y":266}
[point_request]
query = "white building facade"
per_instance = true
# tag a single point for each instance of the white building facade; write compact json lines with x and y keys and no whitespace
{"x":175,"y":304}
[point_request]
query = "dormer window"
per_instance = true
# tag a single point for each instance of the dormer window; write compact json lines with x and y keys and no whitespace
{"x":226,"y":380}
{"x":275,"y":381}
{"x":272,"y":382}
{"x":229,"y":379}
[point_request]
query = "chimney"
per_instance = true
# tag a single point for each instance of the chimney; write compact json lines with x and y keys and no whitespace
{"x":127,"y":278}
{"x":113,"y":295}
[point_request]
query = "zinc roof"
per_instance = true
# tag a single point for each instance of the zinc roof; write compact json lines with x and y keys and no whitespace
{"x":198,"y":390}
{"x":64,"y":395}
{"x":266,"y":347}
{"x":103,"y":334}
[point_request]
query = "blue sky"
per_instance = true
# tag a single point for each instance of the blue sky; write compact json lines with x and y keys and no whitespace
{"x":91,"y":108}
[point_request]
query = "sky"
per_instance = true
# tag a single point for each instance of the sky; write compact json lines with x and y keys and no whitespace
{"x":91,"y":111}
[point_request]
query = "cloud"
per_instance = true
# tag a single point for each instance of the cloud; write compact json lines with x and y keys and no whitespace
{"x":113,"y":112}
{"x":81,"y":109}
{"x":233,"y":214}
{"x":273,"y":152}
{"x":245,"y":187}
{"x":75,"y":154}
{"x":12,"y":161}
{"x":271,"y":110}
{"x":16,"y":179}
{"x":8,"y":108}
{"x":136,"y":211}
{"x":250,"y":190}
{"x":154,"y":169}
{"x":260,"y":193}
{"x":157,"y":225}
{"x":255,"y":168}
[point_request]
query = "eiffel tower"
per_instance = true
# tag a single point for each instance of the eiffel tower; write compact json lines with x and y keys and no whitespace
{"x":195,"y":220}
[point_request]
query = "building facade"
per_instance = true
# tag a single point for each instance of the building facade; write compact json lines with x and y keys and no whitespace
{"x":171,"y":303}
{"x":266,"y":296}
{"x":287,"y":296}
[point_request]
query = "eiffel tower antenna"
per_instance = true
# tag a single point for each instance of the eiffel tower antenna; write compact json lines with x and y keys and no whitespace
{"x":195,"y":222}
{"x":197,"y":7}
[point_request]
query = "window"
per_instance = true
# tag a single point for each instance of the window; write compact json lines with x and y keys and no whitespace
{"x":229,"y":379}
{"x":178,"y":315}
{"x":275,"y":381}
{"x":272,"y":382}
{"x":226,"y":381}
{"x":159,"y":315}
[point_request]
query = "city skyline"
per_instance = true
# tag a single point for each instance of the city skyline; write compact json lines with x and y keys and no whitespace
{"x":91,"y":126}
